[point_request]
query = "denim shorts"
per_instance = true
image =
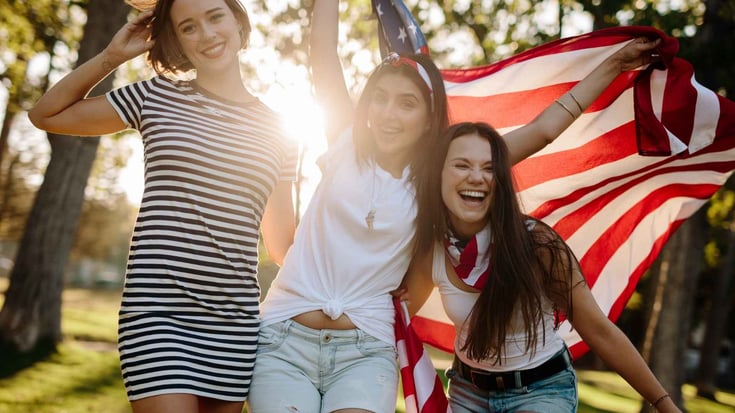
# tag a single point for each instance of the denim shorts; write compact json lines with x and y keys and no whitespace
{"x":554,"y":394}
{"x":300,"y":369}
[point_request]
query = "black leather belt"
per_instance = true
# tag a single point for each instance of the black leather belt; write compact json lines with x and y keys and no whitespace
{"x":500,"y":381}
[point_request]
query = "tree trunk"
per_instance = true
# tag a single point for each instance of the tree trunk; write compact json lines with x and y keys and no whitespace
{"x":5,"y":131}
{"x":31,"y":315}
{"x":716,"y":324}
{"x":681,"y":263}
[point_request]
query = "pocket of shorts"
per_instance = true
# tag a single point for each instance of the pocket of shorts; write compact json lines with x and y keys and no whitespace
{"x":371,"y":346}
{"x":271,"y":337}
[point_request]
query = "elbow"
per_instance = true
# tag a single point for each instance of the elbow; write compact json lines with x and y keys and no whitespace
{"x":36,"y":118}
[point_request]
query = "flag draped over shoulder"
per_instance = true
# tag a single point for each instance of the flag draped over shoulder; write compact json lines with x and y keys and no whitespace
{"x":647,"y":154}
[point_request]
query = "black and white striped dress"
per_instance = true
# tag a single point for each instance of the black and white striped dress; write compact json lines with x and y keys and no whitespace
{"x":189,"y":314}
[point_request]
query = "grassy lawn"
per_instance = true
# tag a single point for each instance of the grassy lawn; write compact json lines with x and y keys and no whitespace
{"x":83,"y":375}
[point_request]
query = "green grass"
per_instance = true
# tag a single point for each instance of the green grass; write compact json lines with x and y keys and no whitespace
{"x":84,"y":374}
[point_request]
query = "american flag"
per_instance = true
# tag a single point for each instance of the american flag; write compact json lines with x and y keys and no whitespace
{"x":646,"y":155}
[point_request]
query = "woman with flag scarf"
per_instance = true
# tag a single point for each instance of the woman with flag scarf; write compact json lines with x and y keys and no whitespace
{"x":506,"y":280}
{"x":327,"y":341}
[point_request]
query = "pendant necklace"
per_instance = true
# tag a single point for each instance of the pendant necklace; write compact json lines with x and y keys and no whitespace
{"x":370,"y":217}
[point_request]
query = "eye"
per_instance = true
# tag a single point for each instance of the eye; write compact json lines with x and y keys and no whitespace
{"x":408,"y":104}
{"x":187,"y":29}
{"x":217,"y":17}
{"x":379,"y":97}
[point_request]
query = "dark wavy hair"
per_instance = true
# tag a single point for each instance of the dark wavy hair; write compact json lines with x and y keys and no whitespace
{"x":527,"y":266}
{"x":436,"y":100}
{"x":166,"y":56}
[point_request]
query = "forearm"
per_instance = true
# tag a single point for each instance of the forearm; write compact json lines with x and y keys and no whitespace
{"x":619,"y":354}
{"x":73,"y":87}
{"x":326,"y":68}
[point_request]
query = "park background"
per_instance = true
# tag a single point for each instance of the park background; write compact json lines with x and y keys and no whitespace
{"x":67,"y":205}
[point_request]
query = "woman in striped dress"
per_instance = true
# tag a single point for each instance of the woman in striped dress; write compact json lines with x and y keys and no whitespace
{"x":217,"y":168}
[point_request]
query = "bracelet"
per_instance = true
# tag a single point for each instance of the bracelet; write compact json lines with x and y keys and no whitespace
{"x":577,"y":102}
{"x":659,"y":400}
{"x":566,"y":108}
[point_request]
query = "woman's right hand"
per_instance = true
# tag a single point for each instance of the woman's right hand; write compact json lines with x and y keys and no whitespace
{"x":133,"y":39}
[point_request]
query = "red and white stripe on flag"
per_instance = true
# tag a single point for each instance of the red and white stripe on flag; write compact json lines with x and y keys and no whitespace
{"x":422,"y":390}
{"x":594,"y":185}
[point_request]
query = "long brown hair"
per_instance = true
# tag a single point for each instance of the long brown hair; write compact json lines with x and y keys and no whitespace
{"x":436,"y":100}
{"x":527,"y":266}
{"x":167,"y":56}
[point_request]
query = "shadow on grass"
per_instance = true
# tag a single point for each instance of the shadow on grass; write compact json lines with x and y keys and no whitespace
{"x":12,"y":361}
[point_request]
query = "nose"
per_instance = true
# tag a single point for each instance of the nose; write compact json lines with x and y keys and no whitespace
{"x":388,"y":110}
{"x":475,"y":175}
{"x":207,"y":32}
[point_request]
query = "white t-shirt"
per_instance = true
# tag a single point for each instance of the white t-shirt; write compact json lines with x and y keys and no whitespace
{"x":337,"y":264}
{"x":458,"y":305}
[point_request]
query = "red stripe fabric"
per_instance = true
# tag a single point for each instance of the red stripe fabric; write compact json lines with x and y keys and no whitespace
{"x":644,"y":157}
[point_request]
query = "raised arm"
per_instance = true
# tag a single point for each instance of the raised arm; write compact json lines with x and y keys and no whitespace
{"x":547,"y":126}
{"x":326,"y":68}
{"x":65,"y":108}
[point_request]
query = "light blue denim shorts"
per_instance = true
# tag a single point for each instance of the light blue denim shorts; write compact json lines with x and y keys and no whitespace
{"x":554,"y":394}
{"x":299,"y":369}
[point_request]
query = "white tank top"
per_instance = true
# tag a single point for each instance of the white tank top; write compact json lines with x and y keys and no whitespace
{"x":458,"y":305}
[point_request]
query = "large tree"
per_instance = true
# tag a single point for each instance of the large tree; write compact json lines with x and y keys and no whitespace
{"x":31,"y":315}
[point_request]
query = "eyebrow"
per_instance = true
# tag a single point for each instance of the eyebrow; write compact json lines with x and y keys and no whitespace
{"x":208,"y":12}
{"x":409,"y":94}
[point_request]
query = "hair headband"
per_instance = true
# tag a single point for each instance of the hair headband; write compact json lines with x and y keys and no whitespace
{"x":396,"y":60}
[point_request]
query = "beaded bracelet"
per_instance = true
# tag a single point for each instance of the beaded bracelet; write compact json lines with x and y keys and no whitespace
{"x":659,"y":400}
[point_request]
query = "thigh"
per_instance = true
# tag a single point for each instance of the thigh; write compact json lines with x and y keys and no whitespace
{"x":210,"y":405}
{"x":166,"y":403}
{"x":365,"y":377}
{"x":283,"y":379}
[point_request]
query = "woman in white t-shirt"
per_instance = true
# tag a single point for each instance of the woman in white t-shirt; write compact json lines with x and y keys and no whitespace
{"x":326,"y":340}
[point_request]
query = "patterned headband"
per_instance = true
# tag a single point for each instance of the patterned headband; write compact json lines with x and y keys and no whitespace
{"x":396,"y":60}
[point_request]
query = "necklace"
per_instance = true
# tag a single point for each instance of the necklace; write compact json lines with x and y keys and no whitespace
{"x":370,"y":217}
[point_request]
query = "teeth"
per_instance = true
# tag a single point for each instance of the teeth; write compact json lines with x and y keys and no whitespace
{"x":473,"y":194}
{"x":213,"y":50}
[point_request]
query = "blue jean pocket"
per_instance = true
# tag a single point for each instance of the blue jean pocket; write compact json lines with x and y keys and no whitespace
{"x":271,"y":337}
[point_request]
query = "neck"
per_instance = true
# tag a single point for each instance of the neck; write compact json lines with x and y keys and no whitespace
{"x":464,"y":231}
{"x":225,"y":85}
{"x":392,"y":165}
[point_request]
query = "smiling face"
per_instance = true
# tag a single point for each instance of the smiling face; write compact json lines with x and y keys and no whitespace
{"x":467,"y":183}
{"x":399,"y":116}
{"x":208,"y":32}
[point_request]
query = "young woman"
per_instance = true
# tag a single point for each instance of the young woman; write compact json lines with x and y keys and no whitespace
{"x":509,"y":356}
{"x":326,"y":341}
{"x":217,"y":168}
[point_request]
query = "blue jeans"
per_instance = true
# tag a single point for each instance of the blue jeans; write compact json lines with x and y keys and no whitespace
{"x":300,"y":369}
{"x":554,"y":394}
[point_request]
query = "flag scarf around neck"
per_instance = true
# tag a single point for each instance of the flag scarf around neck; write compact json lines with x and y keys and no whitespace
{"x":647,"y":154}
{"x":471,"y":261}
